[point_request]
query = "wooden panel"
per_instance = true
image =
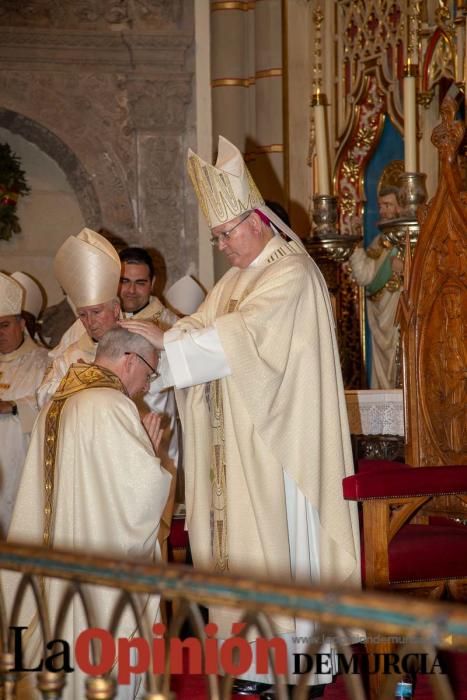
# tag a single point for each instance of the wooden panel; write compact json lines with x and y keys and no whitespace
{"x":434,"y":315}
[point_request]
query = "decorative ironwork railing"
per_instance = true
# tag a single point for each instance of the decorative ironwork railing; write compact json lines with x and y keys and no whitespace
{"x":418,"y":626}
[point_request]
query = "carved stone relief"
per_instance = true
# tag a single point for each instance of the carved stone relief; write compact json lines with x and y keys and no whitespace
{"x":162,"y":14}
{"x":162,"y":196}
{"x":113,"y":106}
{"x":160,"y":11}
{"x":156,"y":104}
{"x":88,"y":113}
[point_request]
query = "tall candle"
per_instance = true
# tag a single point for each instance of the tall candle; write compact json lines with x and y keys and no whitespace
{"x":410,"y":122}
{"x":319,"y":115}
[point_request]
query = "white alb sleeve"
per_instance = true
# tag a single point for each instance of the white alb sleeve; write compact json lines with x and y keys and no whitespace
{"x":195,"y":356}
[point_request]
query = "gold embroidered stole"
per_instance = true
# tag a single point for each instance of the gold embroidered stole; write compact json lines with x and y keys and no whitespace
{"x":218,"y":473}
{"x":79,"y":377}
{"x":218,"y":515}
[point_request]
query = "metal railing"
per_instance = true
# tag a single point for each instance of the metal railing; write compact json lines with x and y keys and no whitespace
{"x":416,"y":626}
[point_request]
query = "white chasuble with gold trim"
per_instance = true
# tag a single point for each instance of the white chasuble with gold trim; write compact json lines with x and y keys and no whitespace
{"x":272,"y":432}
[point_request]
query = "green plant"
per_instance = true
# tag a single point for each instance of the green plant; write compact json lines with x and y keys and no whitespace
{"x":13,"y":184}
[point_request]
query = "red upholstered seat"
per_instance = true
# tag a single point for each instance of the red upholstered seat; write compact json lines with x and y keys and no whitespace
{"x":421,"y":552}
{"x":178,"y":537}
{"x":368,"y":465}
{"x":416,"y":552}
{"x":381,"y":480}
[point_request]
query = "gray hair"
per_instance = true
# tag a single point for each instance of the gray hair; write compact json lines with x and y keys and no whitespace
{"x":117,"y":341}
{"x":115,"y":301}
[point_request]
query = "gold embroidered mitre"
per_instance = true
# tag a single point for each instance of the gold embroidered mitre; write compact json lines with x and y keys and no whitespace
{"x":224,"y":190}
{"x":87,"y":266}
{"x":11,"y":296}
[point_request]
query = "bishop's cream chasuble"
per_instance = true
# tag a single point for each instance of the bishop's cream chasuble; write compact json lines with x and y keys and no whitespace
{"x":267,"y":446}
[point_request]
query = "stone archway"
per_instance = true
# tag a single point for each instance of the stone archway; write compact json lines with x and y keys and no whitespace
{"x":65,"y":158}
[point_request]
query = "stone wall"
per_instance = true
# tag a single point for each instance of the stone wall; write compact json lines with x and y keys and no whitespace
{"x":104,"y":87}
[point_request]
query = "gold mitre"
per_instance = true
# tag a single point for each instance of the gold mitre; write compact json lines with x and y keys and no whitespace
{"x":33,"y":299}
{"x":11,"y":296}
{"x":224,"y":190}
{"x":87,"y":267}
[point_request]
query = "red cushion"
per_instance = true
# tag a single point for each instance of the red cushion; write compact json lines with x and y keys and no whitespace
{"x":178,"y":538}
{"x":401,"y":480}
{"x":369,"y":465}
{"x":427,"y":552}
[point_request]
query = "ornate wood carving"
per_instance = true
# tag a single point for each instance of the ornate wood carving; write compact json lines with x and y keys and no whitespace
{"x":434,"y":316}
{"x":371,"y":34}
{"x":358,"y":146}
{"x":346,"y":298}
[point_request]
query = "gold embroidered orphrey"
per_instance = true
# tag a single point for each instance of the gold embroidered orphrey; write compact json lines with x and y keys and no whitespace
{"x":218,"y":473}
{"x":80,"y":376}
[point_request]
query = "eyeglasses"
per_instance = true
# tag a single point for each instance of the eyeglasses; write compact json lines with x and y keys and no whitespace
{"x":225,"y":235}
{"x":154,"y":373}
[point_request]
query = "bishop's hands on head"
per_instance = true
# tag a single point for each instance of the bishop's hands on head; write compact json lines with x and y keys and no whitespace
{"x":148,"y":329}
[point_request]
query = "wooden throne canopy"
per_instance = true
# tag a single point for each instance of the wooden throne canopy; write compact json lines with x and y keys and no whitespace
{"x":433,"y":314}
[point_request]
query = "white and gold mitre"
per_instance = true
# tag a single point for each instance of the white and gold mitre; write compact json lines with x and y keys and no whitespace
{"x":11,"y":296}
{"x":87,"y":267}
{"x":224,"y":190}
{"x":33,"y":299}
